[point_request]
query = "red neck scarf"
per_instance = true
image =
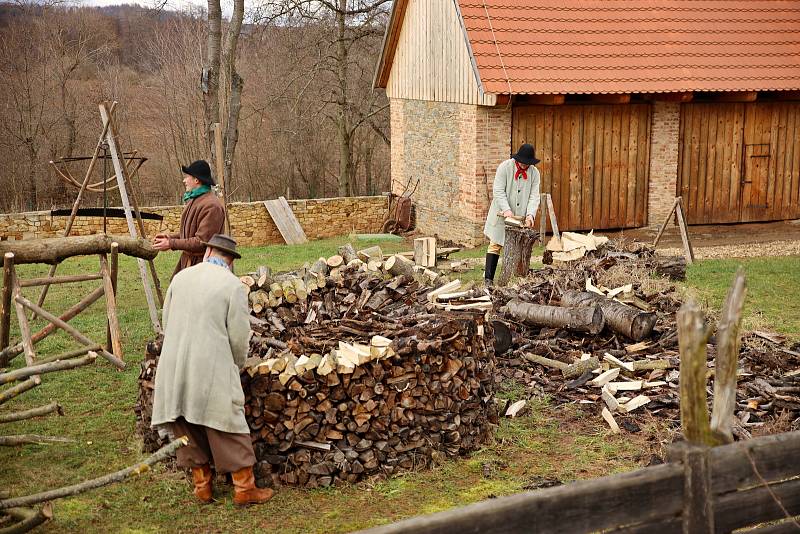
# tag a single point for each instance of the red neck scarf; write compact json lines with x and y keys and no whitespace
{"x":520,"y":172}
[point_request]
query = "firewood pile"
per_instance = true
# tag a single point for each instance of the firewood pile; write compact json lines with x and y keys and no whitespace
{"x":602,"y":331}
{"x":358,"y":370}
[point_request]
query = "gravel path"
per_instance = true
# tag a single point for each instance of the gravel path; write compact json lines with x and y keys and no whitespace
{"x":752,"y":250}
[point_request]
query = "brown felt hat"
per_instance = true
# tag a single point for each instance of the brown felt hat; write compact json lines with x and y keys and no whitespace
{"x":224,"y":243}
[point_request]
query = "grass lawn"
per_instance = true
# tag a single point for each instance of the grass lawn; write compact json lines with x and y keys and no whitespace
{"x":563,"y":443}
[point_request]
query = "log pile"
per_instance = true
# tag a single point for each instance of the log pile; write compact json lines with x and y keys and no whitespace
{"x":372,"y":371}
{"x":629,"y":367}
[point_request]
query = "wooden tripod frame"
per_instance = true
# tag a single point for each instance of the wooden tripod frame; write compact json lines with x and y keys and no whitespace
{"x":12,"y":295}
{"x":125,"y":167}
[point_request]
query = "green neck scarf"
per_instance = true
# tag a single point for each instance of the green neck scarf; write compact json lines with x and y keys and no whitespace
{"x":196,"y":192}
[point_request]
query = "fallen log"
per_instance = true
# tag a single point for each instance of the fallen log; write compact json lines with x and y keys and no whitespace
{"x":578,"y":319}
{"x":75,"y":489}
{"x":23,"y":439}
{"x":56,"y":249}
{"x":620,"y":318}
{"x":25,"y":372}
{"x":27,"y":519}
{"x":398,"y":265}
{"x":33,"y":412}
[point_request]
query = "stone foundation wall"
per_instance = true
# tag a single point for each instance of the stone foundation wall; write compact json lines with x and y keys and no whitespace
{"x":251,"y":224}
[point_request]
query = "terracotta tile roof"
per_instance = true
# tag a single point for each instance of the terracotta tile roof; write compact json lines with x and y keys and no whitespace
{"x":634,"y":46}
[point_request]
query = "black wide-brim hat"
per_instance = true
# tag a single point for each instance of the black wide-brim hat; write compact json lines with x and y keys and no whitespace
{"x":200,"y":170}
{"x":526,"y":155}
{"x":224,"y":243}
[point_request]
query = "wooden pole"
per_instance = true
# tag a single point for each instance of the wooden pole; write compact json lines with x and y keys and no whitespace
{"x":24,"y":329}
{"x":22,"y":387}
{"x":692,"y":338}
{"x":727,"y":360}
{"x":23,"y":439}
{"x":698,"y":515}
{"x":5,"y":319}
{"x":219,"y":163}
{"x":69,"y":330}
{"x":12,"y":352}
{"x":553,"y":222}
{"x":151,"y":263}
{"x":137,"y":469}
{"x":77,"y":203}
{"x":55,"y":249}
{"x":36,"y":370}
{"x":542,"y":216}
{"x":32,"y":282}
{"x":121,"y":170}
{"x":68,"y":355}
{"x":33,"y":412}
{"x":687,"y":245}
{"x":111,"y":309}
{"x":665,"y":223}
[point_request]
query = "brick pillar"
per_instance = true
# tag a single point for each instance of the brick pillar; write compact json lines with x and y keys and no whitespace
{"x":663,"y":160}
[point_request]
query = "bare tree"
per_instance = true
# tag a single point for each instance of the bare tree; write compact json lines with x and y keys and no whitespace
{"x":346,"y":28}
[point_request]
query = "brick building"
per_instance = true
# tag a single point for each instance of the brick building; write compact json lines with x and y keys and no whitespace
{"x":629,"y":104}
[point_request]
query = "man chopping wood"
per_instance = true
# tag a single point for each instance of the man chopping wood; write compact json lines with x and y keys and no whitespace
{"x":202,"y":217}
{"x":515,"y":193}
{"x":198,"y":393}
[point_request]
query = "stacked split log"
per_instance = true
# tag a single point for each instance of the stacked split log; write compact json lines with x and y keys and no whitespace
{"x":365,"y":374}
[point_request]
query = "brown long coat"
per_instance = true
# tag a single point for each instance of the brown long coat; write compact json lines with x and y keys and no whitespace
{"x":202,"y":217}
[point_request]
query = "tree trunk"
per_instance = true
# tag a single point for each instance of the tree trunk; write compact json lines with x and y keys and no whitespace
{"x":55,"y":249}
{"x":235,"y":86}
{"x":619,"y":317}
{"x":576,"y":319}
{"x":343,"y":118}
{"x":210,"y":84}
{"x":517,"y":253}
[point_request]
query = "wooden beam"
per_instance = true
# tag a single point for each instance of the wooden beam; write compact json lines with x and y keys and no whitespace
{"x":544,"y":100}
{"x":669,"y":97}
{"x":610,"y":98}
{"x":741,"y":96}
{"x":59,"y":280}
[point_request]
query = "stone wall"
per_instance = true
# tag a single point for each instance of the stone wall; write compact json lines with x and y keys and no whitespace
{"x":454,"y":150}
{"x":251,"y":224}
{"x":664,"y":141}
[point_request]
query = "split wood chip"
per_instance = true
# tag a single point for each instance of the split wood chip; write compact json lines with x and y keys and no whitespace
{"x":635,"y":403}
{"x":657,"y":383}
{"x":628,"y":288}
{"x":637,"y":347}
{"x":609,"y":399}
{"x":619,"y":363}
{"x":446,"y":288}
{"x":610,"y":420}
{"x":605,"y":377}
{"x":635,"y":385}
{"x":515,"y":408}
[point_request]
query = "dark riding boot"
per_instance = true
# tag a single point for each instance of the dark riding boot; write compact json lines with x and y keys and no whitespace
{"x":491,"y":267}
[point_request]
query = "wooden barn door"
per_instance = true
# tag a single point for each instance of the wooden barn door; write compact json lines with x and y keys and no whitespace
{"x":594,"y":161}
{"x":739,"y":162}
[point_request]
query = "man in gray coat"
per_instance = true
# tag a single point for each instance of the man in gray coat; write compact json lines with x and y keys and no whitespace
{"x":198,"y":392}
{"x":515,"y":193}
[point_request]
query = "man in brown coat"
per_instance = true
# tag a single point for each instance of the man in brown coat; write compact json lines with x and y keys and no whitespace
{"x":202,"y":217}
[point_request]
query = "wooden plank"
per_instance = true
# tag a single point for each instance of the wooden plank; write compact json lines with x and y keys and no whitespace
{"x":597,"y":178}
{"x":694,"y":169}
{"x":557,"y":153}
{"x":711,"y":167}
{"x":284,"y":219}
{"x":657,"y":492}
{"x":794,"y":198}
{"x":697,"y":515}
{"x":790,"y":526}
{"x":684,"y":151}
{"x":781,"y":176}
{"x":724,"y":150}
{"x":774,"y":457}
{"x":631,"y":166}
{"x":756,"y":505}
{"x":616,"y":152}
{"x":643,"y":176}
{"x":587,"y":168}
{"x":575,"y":174}
{"x":608,"y":144}
{"x":735,"y":198}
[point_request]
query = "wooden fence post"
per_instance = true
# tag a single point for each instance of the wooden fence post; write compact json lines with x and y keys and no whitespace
{"x":5,"y":306}
{"x":697,"y":516}
{"x":692,"y":338}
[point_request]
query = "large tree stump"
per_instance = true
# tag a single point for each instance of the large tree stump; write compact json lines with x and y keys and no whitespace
{"x":517,"y":253}
{"x":621,"y":318}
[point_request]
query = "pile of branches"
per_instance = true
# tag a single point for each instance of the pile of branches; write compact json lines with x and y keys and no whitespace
{"x":363,"y":375}
{"x":575,"y":340}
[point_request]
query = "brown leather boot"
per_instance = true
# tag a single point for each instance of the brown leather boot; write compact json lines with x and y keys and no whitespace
{"x":203,"y":490}
{"x":245,"y":490}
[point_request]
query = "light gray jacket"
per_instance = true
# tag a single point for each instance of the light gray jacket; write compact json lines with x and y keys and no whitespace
{"x":520,"y":196}
{"x":206,"y":335}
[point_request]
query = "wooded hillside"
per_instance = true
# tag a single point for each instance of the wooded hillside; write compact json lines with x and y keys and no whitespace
{"x":57,"y":63}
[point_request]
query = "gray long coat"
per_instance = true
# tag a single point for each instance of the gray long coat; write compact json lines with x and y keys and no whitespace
{"x":206,"y":336}
{"x":520,"y":196}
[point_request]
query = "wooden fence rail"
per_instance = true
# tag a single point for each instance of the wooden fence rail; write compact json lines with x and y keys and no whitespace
{"x":652,"y":499}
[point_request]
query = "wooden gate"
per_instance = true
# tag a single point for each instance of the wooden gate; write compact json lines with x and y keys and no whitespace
{"x":740,"y":162}
{"x":594,"y":161}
